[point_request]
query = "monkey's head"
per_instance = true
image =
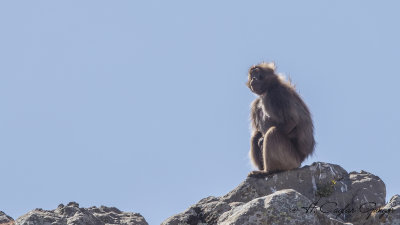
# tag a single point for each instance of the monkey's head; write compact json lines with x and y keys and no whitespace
{"x":261,"y":77}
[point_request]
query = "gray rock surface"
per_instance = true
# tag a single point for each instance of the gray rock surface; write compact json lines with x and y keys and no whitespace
{"x":5,"y":219}
{"x":71,"y":214}
{"x":333,"y":192}
{"x":281,"y":207}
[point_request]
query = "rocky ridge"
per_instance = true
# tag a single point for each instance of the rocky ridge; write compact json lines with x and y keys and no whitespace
{"x":71,"y":214}
{"x":320,"y":193}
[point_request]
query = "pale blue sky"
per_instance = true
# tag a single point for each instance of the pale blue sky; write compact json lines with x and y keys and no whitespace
{"x":143,"y":105}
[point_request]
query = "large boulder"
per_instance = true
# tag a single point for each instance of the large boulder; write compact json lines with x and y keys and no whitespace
{"x":277,"y":208}
{"x":71,"y":214}
{"x":335,"y":195}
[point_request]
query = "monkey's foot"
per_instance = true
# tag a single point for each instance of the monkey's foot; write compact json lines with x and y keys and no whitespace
{"x":259,"y":174}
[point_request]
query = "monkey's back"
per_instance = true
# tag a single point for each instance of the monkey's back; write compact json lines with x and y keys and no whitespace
{"x":303,"y":136}
{"x":304,"y":131}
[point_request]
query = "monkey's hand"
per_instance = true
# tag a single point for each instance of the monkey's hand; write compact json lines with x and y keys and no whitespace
{"x":260,"y":142}
{"x":257,"y":139}
{"x":256,"y":136}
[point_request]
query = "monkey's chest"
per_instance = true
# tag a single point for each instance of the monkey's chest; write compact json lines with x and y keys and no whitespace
{"x":263,"y":121}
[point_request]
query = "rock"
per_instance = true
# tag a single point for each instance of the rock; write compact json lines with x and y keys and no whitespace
{"x":207,"y":211}
{"x":5,"y":219}
{"x":334,"y":192}
{"x":280,"y":207}
{"x":71,"y":214}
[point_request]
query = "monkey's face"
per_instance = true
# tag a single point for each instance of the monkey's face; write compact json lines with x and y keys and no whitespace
{"x":260,"y":77}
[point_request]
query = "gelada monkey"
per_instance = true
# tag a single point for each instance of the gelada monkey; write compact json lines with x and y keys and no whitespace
{"x":282,"y":128}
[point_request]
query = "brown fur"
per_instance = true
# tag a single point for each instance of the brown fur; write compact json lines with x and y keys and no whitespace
{"x":283,"y":132}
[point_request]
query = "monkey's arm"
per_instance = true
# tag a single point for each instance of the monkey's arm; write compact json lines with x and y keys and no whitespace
{"x":281,"y":111}
{"x":283,"y":120}
{"x":288,"y":126}
{"x":255,"y":149}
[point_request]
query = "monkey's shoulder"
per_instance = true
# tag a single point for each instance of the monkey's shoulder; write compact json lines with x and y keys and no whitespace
{"x":256,"y":109}
{"x":280,"y":93}
{"x":284,"y":102}
{"x":255,"y":103}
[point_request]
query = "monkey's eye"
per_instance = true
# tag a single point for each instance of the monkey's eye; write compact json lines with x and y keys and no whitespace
{"x":255,"y":73}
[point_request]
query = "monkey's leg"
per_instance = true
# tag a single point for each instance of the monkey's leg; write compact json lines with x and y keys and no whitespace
{"x":255,"y":150}
{"x":279,"y":154}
